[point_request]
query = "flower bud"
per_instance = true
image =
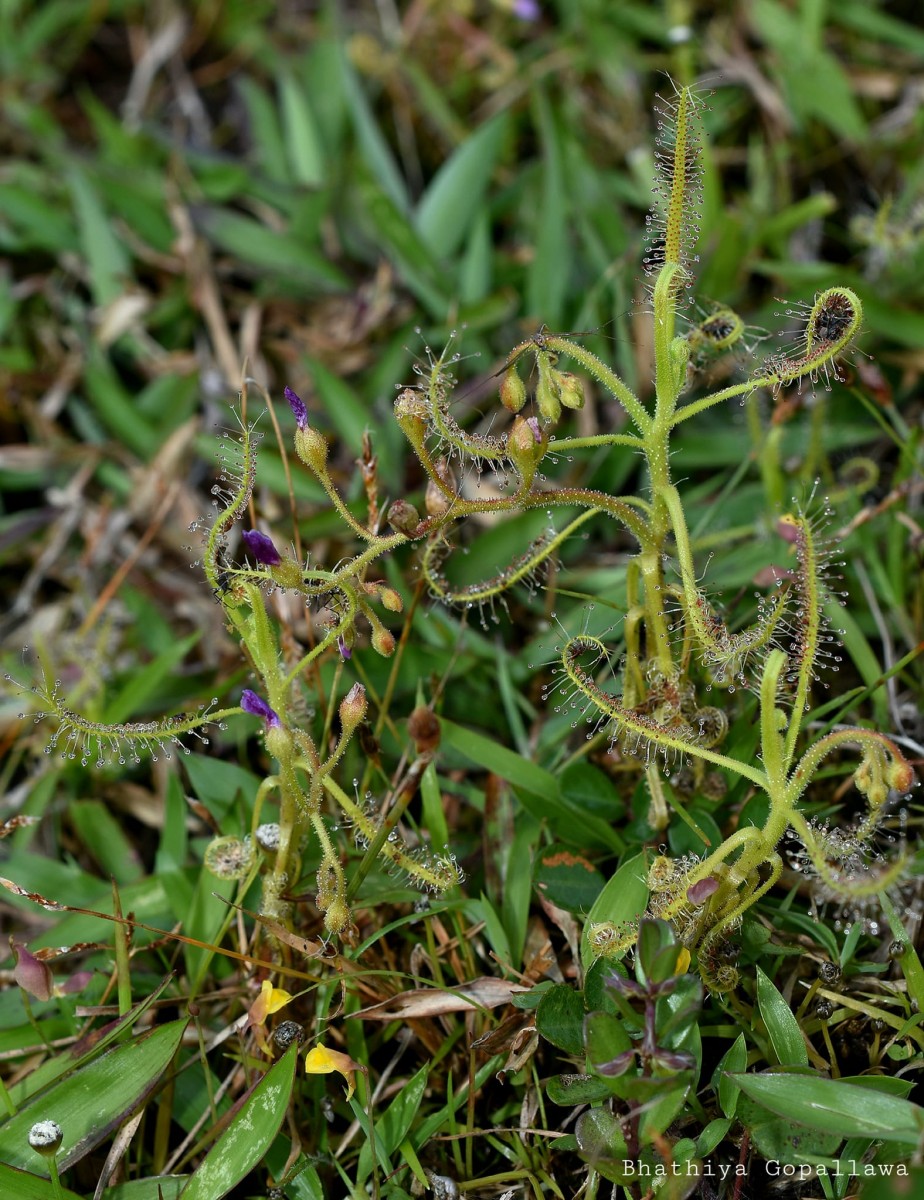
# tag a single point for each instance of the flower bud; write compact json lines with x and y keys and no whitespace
{"x":548,"y":395}
{"x":337,"y":916}
{"x":32,"y":975}
{"x":391,"y":600}
{"x":570,"y":389}
{"x":424,"y":727}
{"x":260,"y":548}
{"x":297,"y":404}
{"x":404,"y":517}
{"x":437,"y":502}
{"x":512,"y":390}
{"x":311,"y":448}
{"x":526,"y":445}
{"x":279,"y":742}
{"x":353,"y":707}
{"x":383,"y":641}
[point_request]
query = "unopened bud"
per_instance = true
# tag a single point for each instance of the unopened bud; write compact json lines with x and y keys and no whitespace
{"x":404,"y":517}
{"x":391,"y":600}
{"x":337,"y":916}
{"x":267,"y":836}
{"x":311,"y":448}
{"x":412,"y":414}
{"x":424,"y":727}
{"x":383,"y":641}
{"x":32,"y":975}
{"x":524,"y":448}
{"x":548,"y":396}
{"x":353,"y":707}
{"x":512,"y":390}
{"x":439,"y":500}
{"x":900,"y":775}
{"x":287,"y":573}
{"x":570,"y":389}
{"x":279,"y":742}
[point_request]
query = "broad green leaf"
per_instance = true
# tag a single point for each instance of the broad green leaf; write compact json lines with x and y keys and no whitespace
{"x":606,"y":1037}
{"x":577,"y":1089}
{"x":547,"y":283}
{"x":21,"y":1185}
{"x":248,"y":1134}
{"x":832,"y":1106}
{"x":107,"y":258}
{"x":392,"y":1126}
{"x":560,"y":1018}
{"x":782,"y":1027}
{"x":455,"y":194}
{"x":506,"y":763}
{"x":734,"y":1061}
{"x":90,"y":1103}
{"x":163,"y":1187}
{"x":622,"y":900}
{"x":106,"y":840}
{"x":301,"y":133}
{"x":601,"y":1141}
{"x":567,"y":879}
{"x":144,"y":681}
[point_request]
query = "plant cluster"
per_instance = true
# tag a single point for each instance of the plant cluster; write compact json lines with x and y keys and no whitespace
{"x":665,"y":710}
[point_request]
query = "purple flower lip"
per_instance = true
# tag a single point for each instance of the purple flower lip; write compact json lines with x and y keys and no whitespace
{"x":297,"y":404}
{"x":261,"y":547}
{"x":345,"y":651}
{"x":257,"y":707}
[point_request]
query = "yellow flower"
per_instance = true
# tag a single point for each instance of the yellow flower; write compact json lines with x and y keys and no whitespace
{"x":269,"y":1001}
{"x":321,"y":1061}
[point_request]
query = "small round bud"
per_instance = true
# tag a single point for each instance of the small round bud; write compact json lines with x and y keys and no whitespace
{"x":353,"y":707}
{"x":391,"y":600}
{"x":45,"y":1138}
{"x":311,"y":448}
{"x":829,"y":972}
{"x":287,"y":573}
{"x":279,"y":742}
{"x":383,"y":641}
{"x":337,"y":916}
{"x":524,"y":448}
{"x":570,"y":389}
{"x":548,"y":394}
{"x":824,"y":1009}
{"x":512,"y":390}
{"x":424,"y":728}
{"x":404,"y":518}
{"x":896,"y":948}
{"x":411,"y":409}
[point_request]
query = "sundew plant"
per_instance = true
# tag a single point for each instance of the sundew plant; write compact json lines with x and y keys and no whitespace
{"x":328,"y":836}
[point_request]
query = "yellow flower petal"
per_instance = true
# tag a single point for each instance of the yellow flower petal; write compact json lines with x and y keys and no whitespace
{"x":269,"y":1001}
{"x":321,"y":1061}
{"x":683,"y":961}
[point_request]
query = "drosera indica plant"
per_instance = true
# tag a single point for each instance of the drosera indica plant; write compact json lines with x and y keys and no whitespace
{"x":675,"y":640}
{"x":677,"y":644}
{"x":304,"y":780}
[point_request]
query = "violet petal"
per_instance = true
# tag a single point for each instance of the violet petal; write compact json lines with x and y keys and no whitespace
{"x":257,"y":707}
{"x":260,"y":547}
{"x":297,"y":404}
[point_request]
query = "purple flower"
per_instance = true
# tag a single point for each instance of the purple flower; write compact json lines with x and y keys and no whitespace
{"x":343,"y":647}
{"x":261,"y":547}
{"x":533,"y":423}
{"x":297,"y":404}
{"x":698,"y":893}
{"x":257,"y":707}
{"x":526,"y":10}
